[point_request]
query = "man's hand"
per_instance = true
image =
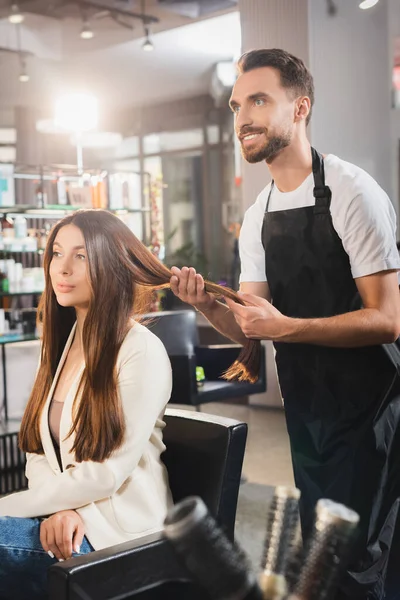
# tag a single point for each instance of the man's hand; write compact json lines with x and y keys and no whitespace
{"x":189,"y":287}
{"x":258,"y":319}
{"x":62,"y":533}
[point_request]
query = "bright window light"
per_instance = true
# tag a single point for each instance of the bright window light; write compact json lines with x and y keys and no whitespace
{"x":205,"y":36}
{"x":226,"y":72}
{"x":76,"y":112}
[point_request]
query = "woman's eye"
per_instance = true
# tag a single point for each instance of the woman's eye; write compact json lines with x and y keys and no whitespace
{"x":56,"y":254}
{"x":81,"y":256}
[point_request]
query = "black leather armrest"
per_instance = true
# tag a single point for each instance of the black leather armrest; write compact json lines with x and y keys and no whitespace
{"x":216,"y":359}
{"x":119,"y":572}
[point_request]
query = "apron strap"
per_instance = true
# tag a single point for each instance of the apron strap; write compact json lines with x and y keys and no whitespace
{"x":269,"y":196}
{"x":322,"y":193}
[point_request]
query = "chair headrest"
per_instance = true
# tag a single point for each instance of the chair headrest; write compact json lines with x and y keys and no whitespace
{"x":176,"y":329}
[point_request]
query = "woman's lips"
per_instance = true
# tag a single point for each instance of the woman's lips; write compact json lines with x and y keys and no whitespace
{"x":63,"y":287}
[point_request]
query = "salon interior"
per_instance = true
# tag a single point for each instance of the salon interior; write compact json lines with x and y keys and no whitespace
{"x":123,"y":105}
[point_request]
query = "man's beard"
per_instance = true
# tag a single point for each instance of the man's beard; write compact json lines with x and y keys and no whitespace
{"x":269,"y":151}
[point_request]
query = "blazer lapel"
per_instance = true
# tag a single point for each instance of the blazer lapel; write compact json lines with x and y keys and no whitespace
{"x":47,"y":442}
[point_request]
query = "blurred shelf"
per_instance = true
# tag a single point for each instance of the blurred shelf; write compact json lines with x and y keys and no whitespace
{"x":54,"y":210}
{"x":18,"y":291}
{"x":11,"y":338}
{"x":7,"y":251}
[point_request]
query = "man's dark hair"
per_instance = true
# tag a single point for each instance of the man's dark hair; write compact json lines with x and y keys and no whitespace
{"x":293,"y":73}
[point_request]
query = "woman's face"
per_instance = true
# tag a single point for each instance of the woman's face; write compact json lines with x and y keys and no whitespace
{"x":69,"y":272}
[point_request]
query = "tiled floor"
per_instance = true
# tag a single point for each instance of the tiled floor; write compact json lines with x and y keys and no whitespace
{"x":267,"y":458}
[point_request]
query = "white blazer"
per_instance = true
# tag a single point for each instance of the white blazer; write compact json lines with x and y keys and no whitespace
{"x":127,"y":495}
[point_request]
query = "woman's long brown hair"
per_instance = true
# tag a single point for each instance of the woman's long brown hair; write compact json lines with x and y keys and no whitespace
{"x":123,"y":274}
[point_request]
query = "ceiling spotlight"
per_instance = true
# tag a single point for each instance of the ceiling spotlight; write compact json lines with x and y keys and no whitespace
{"x":147,"y":44}
{"x":15,"y":15}
{"x":368,"y":4}
{"x":23,"y":74}
{"x":86,"y":32}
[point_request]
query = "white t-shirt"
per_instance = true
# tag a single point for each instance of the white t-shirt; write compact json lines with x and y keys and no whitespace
{"x":362,"y":215}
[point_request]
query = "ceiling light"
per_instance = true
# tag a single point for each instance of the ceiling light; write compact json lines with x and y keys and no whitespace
{"x":368,"y":4}
{"x":86,"y":32}
{"x":147,"y":44}
{"x":23,"y":74}
{"x":15,"y":15}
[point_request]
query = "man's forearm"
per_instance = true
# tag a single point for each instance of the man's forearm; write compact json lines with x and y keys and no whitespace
{"x":365,"y":327}
{"x":222,"y":319}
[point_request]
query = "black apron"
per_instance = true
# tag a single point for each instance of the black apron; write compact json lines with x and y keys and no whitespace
{"x":342,"y":405}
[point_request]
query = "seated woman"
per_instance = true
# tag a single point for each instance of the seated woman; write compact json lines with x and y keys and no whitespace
{"x":92,"y":429}
{"x":93,"y":425}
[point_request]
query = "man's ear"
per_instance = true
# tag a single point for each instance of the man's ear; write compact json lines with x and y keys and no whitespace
{"x":302,"y":108}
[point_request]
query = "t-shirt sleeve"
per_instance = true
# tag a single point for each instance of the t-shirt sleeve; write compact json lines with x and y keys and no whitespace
{"x":369,"y":234}
{"x":251,"y":250}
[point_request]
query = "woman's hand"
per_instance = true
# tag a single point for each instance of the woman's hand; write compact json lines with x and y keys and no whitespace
{"x":62,"y":533}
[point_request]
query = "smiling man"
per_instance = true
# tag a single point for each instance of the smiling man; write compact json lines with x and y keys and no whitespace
{"x":319,"y":278}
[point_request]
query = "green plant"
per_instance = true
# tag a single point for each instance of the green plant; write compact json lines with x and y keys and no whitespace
{"x":186,"y":255}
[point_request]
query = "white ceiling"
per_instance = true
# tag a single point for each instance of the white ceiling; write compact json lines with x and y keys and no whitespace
{"x":68,"y":15}
{"x":113,"y":65}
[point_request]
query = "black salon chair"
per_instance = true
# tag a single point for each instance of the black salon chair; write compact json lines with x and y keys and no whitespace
{"x":178,"y":332}
{"x":204,"y":458}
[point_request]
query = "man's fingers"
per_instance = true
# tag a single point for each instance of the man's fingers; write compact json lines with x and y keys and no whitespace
{"x":252,"y":299}
{"x":184,"y":283}
{"x":174,"y":283}
{"x":191,"y":288}
{"x":175,"y":271}
{"x":200,"y":284}
{"x":236,"y":308}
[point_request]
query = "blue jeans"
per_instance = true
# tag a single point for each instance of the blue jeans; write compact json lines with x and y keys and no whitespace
{"x":23,"y":562}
